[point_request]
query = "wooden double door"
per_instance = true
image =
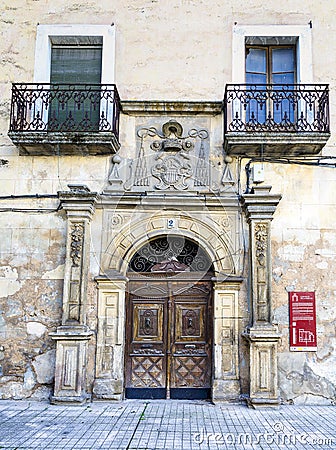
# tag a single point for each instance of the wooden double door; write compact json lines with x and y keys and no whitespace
{"x":169,"y":339}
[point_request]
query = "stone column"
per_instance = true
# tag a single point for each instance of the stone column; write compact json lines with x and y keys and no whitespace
{"x":259,"y":207}
{"x":226,"y":385}
{"x":73,"y":335}
{"x":109,"y":380}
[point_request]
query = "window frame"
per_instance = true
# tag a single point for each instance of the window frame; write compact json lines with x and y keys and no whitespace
{"x":44,"y":37}
{"x":302,"y":34}
{"x":269,"y":66}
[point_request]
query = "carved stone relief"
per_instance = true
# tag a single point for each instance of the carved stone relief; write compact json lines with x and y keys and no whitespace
{"x":76,"y":255}
{"x":77,"y":235}
{"x":261,"y":240}
{"x":226,"y":340}
{"x":169,"y":160}
{"x":226,"y":333}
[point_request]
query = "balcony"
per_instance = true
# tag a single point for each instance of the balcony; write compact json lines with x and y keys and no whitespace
{"x":276,"y":120}
{"x":65,"y":119}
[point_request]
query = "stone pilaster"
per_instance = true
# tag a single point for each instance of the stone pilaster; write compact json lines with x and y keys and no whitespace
{"x":73,"y":335}
{"x":109,"y":379}
{"x":226,"y":386}
{"x":259,"y":207}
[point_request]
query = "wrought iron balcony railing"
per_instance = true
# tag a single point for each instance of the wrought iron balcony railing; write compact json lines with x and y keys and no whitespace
{"x":275,"y":108}
{"x":65,"y":108}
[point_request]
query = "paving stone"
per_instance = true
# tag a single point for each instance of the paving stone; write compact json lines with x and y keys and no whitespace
{"x":164,"y":425}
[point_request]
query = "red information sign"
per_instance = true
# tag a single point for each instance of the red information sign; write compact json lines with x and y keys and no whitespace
{"x":302,"y":316}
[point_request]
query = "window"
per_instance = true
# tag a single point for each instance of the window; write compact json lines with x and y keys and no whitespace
{"x":49,"y":35}
{"x":72,"y":54}
{"x":75,"y":77}
{"x":76,"y":63}
{"x":271,"y":65}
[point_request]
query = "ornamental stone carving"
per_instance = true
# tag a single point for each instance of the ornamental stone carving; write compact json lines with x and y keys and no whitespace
{"x":261,"y":245}
{"x":77,"y":235}
{"x":171,"y":158}
{"x":261,"y":236}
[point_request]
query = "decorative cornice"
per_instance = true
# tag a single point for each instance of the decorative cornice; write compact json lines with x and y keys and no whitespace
{"x":167,"y":200}
{"x":260,"y":204}
{"x":152,"y":107}
{"x":79,"y":201}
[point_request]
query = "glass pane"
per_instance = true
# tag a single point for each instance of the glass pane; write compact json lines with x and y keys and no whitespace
{"x":256,"y":78}
{"x":283,"y":78}
{"x":283,"y":72}
{"x":256,"y":60}
{"x":256,"y":112}
{"x":282,"y":60}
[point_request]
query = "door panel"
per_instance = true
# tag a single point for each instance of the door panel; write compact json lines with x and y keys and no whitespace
{"x":191,"y":359}
{"x":146,"y":363}
{"x":168,"y":342}
{"x":189,"y":325}
{"x":147,"y":321}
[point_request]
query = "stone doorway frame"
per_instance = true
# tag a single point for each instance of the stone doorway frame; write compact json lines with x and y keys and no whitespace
{"x":109,"y":376}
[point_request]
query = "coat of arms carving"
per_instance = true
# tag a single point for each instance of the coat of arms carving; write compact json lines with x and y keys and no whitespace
{"x":172,"y":165}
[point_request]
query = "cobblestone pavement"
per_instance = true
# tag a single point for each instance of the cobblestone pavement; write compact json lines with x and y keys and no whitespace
{"x":170,"y":424}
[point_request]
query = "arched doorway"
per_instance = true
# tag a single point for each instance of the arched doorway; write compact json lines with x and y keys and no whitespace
{"x":169,"y":335}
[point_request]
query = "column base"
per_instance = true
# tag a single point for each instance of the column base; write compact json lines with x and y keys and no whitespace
{"x":71,"y":362}
{"x":71,"y":400}
{"x":225,"y":391}
{"x":256,"y":403}
{"x":107,"y":389}
{"x":263,"y":366}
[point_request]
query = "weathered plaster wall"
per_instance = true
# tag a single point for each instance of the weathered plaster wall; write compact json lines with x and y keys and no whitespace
{"x":180,"y":51}
{"x":304,"y":250}
{"x":31,"y":273}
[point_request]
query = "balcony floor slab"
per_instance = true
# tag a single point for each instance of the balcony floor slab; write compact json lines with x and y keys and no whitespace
{"x":274,"y":144}
{"x":37,"y":143}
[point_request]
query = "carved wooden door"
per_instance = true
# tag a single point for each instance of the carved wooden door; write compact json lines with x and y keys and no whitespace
{"x":168,"y":339}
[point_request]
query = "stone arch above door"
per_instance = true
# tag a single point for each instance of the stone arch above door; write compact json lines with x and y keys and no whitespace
{"x":210,"y":237}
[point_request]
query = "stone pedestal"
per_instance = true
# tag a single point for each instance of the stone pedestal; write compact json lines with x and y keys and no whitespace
{"x":263,"y":366}
{"x":259,"y":207}
{"x":109,"y":379}
{"x":73,"y":335}
{"x":70,"y":372}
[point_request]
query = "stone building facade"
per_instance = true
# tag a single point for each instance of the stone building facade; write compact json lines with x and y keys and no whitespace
{"x":168,"y":179}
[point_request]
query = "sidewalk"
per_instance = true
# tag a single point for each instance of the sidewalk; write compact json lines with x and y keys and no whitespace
{"x":165,"y":424}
